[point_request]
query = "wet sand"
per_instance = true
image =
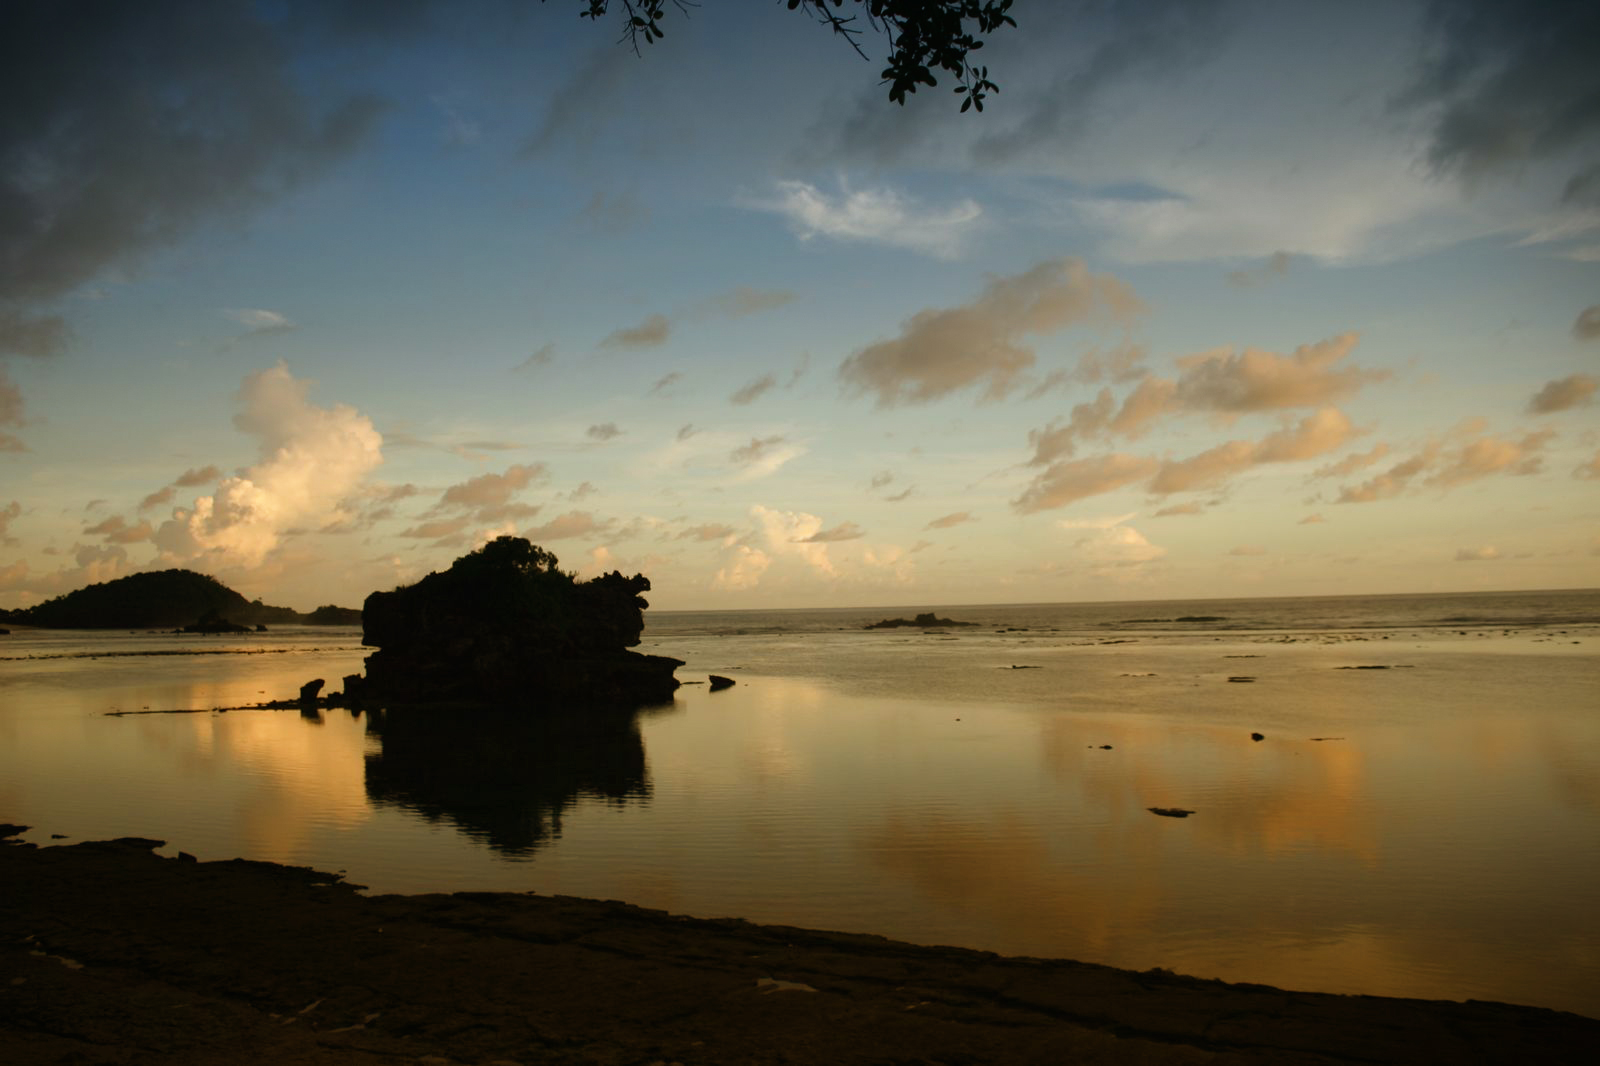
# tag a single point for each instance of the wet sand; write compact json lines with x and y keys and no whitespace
{"x":114,"y":954}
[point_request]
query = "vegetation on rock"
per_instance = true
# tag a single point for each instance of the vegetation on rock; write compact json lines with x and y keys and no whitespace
{"x":166,"y":599}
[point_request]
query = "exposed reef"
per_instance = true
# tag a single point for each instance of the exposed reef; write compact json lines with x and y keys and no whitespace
{"x":921,"y":621}
{"x":110,"y":953}
{"x":505,"y":627}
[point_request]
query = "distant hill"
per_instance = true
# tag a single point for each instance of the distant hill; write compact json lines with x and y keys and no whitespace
{"x":166,"y":599}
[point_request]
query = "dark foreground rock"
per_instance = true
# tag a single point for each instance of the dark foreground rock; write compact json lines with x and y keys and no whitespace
{"x":922,"y":621}
{"x":111,"y":954}
{"x":505,"y":627}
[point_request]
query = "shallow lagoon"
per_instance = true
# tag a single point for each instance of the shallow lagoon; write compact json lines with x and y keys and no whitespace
{"x":1442,"y":843}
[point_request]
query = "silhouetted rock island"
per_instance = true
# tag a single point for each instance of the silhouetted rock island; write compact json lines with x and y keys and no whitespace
{"x":923,"y":621}
{"x":505,"y":627}
{"x":169,"y":599}
{"x":212,"y":623}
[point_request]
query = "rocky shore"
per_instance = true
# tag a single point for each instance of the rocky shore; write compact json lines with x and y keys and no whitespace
{"x":113,"y":954}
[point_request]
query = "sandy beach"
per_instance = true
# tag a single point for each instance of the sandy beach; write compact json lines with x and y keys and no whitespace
{"x":114,"y":954}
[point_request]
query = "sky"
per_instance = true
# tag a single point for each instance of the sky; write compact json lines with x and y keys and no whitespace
{"x":1226,"y":298}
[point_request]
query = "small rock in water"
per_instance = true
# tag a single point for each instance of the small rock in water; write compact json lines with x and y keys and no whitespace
{"x":719,"y":682}
{"x":1170,"y":812}
{"x":1257,"y":736}
{"x":1241,"y":680}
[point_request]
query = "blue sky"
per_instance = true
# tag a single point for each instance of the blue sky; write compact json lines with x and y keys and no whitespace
{"x":1212,"y":299}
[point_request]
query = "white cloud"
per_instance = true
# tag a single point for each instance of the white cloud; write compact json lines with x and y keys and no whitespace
{"x":763,"y":457}
{"x":1117,"y":546}
{"x":881,"y":216}
{"x":742,"y":568}
{"x":312,"y":458}
{"x":260,"y":321}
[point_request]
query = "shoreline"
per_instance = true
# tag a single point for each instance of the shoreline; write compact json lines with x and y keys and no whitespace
{"x":115,"y":954}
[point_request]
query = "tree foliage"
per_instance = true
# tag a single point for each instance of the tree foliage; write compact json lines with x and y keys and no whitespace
{"x":925,"y":36}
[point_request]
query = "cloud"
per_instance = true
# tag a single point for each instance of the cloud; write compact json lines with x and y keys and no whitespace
{"x":541,"y":357}
{"x":953,"y":519}
{"x":1065,"y":481}
{"x":1446,"y":467}
{"x":117,"y":531}
{"x":778,"y":535}
{"x":27,"y":334}
{"x":940,"y":351}
{"x":197,"y":110}
{"x":1350,"y":464}
{"x":1391,"y":482}
{"x":749,"y":392}
{"x":311,"y":459}
{"x":763,"y":456}
{"x":1509,"y":83}
{"x":880,"y":216}
{"x":613,"y":212}
{"x":792,"y":533}
{"x":743,"y":300}
{"x":843,"y":531}
{"x":899,"y":496}
{"x":1117,"y":546}
{"x":1189,"y":508}
{"x":1494,"y":455}
{"x":440,"y":529}
{"x":665,"y":382}
{"x":707,"y":531}
{"x":1477,"y":555}
{"x":260,"y":321}
{"x":195,"y":477}
{"x":1587,"y":325}
{"x":569,"y":525}
{"x":686,"y":431}
{"x":742,"y":568}
{"x":1573,"y":391}
{"x":573,"y":109}
{"x":1235,"y":382}
{"x":651,"y":333}
{"x":1311,"y":520}
{"x":1276,"y":266}
{"x":603,"y":432}
{"x":881,"y":479}
{"x":1248,"y":549}
{"x":11,"y":409}
{"x":1224,"y":383}
{"x":487,"y":497}
{"x":1070,"y":480}
{"x":1106,"y":52}
{"x":1590,"y":470}
{"x":8,"y":514}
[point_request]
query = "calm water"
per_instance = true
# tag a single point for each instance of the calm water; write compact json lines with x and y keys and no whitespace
{"x":949,"y":786}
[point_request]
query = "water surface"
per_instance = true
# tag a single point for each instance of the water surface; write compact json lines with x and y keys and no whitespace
{"x":1427,"y":829}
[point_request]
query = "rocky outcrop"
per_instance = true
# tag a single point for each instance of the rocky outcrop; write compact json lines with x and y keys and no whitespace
{"x":922,"y":621}
{"x":505,"y":627}
{"x":213,"y":623}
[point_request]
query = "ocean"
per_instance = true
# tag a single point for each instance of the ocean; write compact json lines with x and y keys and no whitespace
{"x":1395,"y":795}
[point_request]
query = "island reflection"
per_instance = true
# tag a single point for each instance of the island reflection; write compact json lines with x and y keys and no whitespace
{"x":504,"y":777}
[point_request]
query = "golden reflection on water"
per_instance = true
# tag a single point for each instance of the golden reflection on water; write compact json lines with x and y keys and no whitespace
{"x":1443,"y":846}
{"x":305,"y":779}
